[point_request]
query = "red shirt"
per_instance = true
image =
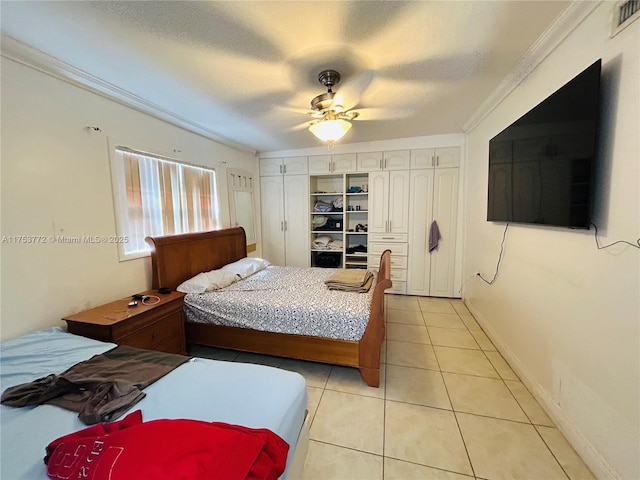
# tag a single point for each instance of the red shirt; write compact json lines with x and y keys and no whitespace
{"x":167,"y":449}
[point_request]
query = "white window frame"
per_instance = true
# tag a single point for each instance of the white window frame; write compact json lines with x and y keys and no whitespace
{"x":119,"y":191}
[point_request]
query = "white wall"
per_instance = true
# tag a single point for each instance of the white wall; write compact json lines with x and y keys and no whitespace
{"x":54,"y":172}
{"x":567,"y":315}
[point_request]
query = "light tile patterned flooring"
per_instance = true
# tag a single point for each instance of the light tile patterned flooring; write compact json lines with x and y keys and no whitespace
{"x":449,"y":407}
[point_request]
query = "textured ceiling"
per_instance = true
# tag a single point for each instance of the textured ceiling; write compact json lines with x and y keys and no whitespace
{"x":248,"y":70}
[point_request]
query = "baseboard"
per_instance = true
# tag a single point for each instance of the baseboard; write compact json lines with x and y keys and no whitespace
{"x":583,"y":447}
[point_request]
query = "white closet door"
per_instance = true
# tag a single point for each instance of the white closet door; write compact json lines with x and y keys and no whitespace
{"x":344,"y":163}
{"x":423,"y":158}
{"x":445,"y":213}
{"x":396,"y":160}
{"x":447,"y":157}
{"x":399,"y":201}
{"x":296,"y":208}
{"x":319,"y":164}
{"x":272,"y":210}
{"x":378,"y":202}
{"x":295,"y":166}
{"x":270,"y":166}
{"x":369,"y":161}
{"x":420,"y":206}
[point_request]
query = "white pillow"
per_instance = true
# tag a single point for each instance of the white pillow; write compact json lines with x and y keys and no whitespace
{"x":219,"y":279}
{"x":197,"y":284}
{"x":246,"y":266}
{"x":208,"y":281}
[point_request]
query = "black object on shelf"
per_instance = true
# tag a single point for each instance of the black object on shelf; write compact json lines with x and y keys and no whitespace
{"x":326,"y":259}
{"x":357,"y":249}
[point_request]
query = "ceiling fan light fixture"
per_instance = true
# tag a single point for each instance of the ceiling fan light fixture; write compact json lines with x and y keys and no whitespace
{"x":330,"y":130}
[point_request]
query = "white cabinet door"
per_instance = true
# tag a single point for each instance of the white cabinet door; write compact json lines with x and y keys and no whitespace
{"x":295,"y":166}
{"x":378,"y":202}
{"x":444,"y":157}
{"x":344,"y":163}
{"x":423,"y":158}
{"x":389,"y":202}
{"x":398,"y":201}
{"x":396,"y":160}
{"x":447,"y":157}
{"x":420,"y":207}
{"x":296,"y":217}
{"x":272,"y":209}
{"x":270,"y":166}
{"x":369,"y":161}
{"x":445,"y":213}
{"x":319,"y":164}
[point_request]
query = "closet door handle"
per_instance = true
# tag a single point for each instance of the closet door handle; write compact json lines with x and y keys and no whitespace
{"x":437,"y":160}
{"x":433,"y":160}
{"x":284,"y":169}
{"x":281,"y":226}
{"x":280,"y":169}
{"x":389,"y":225}
{"x":285,"y":225}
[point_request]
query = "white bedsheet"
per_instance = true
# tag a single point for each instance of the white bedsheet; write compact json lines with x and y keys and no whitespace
{"x":255,"y":396}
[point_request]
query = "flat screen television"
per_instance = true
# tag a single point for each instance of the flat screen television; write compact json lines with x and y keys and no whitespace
{"x":541,"y":167}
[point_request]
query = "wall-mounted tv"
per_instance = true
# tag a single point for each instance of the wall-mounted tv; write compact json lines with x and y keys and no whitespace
{"x":541,"y":167}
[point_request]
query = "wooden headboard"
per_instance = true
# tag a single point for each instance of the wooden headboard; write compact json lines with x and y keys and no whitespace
{"x":176,"y":258}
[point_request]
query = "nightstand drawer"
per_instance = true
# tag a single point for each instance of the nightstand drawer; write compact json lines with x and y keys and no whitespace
{"x":154,"y":333}
{"x":142,"y":316}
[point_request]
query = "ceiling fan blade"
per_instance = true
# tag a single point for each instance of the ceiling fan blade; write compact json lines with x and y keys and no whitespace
{"x":299,"y":126}
{"x":350,"y":90}
{"x":372,"y":114}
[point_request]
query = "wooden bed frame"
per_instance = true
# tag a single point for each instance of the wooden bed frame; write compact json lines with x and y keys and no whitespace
{"x":177,"y":258}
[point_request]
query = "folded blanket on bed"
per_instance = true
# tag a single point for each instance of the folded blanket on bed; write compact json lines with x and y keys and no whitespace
{"x":350,"y":280}
{"x":166,"y":450}
{"x":101,"y":388}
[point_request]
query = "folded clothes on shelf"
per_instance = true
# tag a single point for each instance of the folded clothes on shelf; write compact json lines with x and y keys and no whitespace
{"x":357,"y":249}
{"x":336,"y":205}
{"x":325,"y":242}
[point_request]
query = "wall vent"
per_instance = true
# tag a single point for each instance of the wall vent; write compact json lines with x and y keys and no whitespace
{"x":625,"y":12}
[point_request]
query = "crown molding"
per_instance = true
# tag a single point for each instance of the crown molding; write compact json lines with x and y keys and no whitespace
{"x":31,"y":57}
{"x":566,"y":23}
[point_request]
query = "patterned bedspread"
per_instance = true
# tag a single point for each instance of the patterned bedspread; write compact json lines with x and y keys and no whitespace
{"x":285,"y":300}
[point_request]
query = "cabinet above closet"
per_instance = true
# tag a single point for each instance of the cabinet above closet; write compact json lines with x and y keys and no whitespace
{"x":283,"y":166}
{"x":435,"y":158}
{"x":377,"y":161}
{"x":332,"y":164}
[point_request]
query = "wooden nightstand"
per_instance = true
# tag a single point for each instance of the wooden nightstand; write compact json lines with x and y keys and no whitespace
{"x":155,"y":327}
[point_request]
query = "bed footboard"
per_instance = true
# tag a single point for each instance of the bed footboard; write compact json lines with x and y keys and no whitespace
{"x":371,"y":342}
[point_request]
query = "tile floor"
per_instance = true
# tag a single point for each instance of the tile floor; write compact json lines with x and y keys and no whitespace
{"x":449,"y":407}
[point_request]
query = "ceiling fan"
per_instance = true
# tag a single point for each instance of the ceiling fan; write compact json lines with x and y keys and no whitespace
{"x":332,"y":120}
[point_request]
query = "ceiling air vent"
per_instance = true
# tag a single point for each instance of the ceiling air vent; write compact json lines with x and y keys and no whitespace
{"x":624,"y":14}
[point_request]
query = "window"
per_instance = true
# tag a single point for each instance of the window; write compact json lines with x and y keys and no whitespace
{"x":157,"y":196}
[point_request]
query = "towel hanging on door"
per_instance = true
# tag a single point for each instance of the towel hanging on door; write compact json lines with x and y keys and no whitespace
{"x":434,"y":236}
